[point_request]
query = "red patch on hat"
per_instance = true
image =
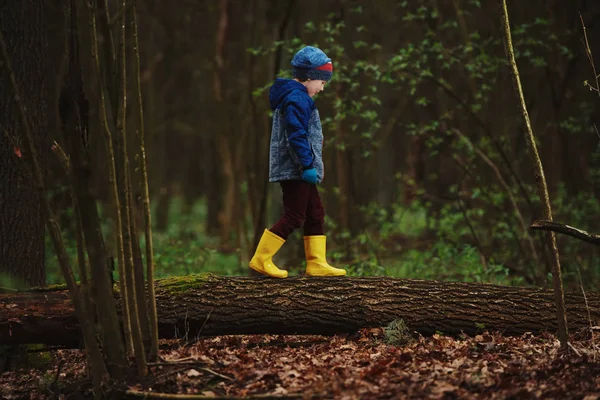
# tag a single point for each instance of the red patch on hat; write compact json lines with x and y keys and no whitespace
{"x":326,"y":67}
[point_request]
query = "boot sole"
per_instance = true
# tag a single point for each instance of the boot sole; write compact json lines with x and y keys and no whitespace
{"x":322,"y":275}
{"x":265,"y":274}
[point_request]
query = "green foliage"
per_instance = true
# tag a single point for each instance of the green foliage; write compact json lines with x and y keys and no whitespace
{"x":450,"y":262}
{"x":182,"y":250}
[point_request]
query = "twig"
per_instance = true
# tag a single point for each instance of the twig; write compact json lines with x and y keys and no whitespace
{"x":205,"y":321}
{"x":132,"y":394}
{"x":62,"y":157}
{"x":574,"y":349}
{"x":545,"y":225}
{"x":174,"y":362}
{"x":210,"y":371}
{"x":588,"y":52}
{"x":186,"y":326}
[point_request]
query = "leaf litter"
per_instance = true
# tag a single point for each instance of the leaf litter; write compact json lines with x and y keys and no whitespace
{"x":360,"y":366}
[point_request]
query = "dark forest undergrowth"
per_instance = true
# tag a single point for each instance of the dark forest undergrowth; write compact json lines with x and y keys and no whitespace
{"x":406,"y":244}
{"x":373,"y":364}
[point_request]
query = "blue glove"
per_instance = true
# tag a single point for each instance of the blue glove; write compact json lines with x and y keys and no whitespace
{"x":310,"y":175}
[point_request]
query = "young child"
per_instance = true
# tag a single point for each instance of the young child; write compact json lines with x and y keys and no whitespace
{"x":296,"y":163}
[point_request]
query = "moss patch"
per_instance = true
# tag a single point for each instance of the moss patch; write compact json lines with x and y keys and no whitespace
{"x":24,"y":356}
{"x":49,"y":288}
{"x":181,"y":284}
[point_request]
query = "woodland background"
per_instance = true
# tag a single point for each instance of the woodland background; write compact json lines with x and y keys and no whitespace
{"x":427,"y":173}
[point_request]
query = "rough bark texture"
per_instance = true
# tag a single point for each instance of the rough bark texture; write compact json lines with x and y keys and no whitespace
{"x":21,"y":215}
{"x":208,"y":305}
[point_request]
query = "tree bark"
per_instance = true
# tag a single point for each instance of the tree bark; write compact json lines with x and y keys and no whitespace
{"x":203,"y":305}
{"x":21,"y":215}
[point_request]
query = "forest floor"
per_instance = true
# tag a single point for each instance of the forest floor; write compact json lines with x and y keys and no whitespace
{"x":360,"y":366}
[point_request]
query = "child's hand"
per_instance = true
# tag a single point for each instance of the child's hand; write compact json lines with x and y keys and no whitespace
{"x":310,"y":176}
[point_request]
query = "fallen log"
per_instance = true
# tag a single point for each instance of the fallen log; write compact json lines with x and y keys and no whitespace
{"x":206,"y":305}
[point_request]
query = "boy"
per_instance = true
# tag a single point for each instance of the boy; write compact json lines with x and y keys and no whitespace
{"x":296,"y":163}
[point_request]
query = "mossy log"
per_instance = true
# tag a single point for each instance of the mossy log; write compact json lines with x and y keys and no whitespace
{"x":204,"y":305}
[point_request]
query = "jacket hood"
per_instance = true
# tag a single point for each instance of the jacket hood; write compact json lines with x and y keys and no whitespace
{"x":281,"y":88}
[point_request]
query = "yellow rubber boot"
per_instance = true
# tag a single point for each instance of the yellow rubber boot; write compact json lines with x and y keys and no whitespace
{"x":262,"y":261}
{"x":316,"y":263}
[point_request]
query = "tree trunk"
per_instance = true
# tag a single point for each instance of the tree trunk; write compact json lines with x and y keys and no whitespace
{"x":542,"y":187}
{"x":21,"y":215}
{"x":200,"y":305}
{"x":74,"y":113}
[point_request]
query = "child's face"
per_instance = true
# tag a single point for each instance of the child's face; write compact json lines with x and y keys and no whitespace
{"x":314,"y":86}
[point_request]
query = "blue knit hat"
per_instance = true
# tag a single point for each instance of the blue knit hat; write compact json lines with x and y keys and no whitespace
{"x":312,"y":63}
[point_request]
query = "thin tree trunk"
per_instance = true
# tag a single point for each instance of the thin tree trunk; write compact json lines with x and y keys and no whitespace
{"x":153,"y":350}
{"x":138,"y":268}
{"x":125,"y":225}
{"x":206,"y":305}
{"x":540,"y":179}
{"x":110,"y":57}
{"x":227,"y":212}
{"x":112,"y":182}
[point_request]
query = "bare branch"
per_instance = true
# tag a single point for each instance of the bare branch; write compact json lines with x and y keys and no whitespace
{"x":588,"y":52}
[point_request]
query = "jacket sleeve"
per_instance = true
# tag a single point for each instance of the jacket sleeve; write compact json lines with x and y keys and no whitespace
{"x":297,"y":114}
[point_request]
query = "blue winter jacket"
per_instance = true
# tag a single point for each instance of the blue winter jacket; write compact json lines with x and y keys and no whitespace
{"x":296,"y":134}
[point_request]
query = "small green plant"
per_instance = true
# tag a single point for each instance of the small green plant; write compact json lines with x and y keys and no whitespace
{"x":397,"y":333}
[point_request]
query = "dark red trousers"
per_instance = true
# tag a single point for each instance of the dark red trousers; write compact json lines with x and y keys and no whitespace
{"x":302,"y":209}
